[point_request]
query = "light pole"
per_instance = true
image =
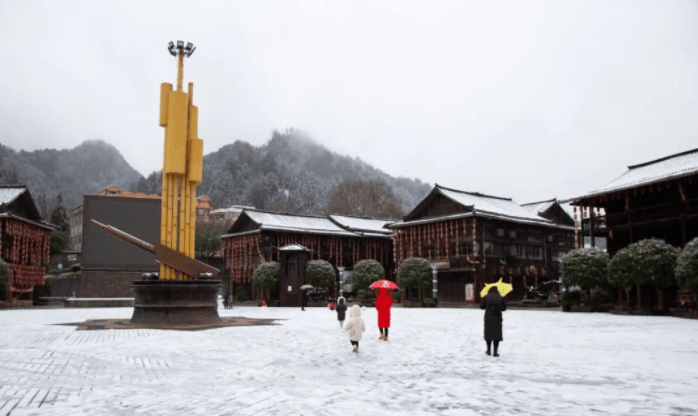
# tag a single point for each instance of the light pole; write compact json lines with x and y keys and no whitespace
{"x":341,"y":281}
{"x":435,"y":285}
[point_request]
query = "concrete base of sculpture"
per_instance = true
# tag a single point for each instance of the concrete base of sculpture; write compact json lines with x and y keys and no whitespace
{"x":183,"y":302}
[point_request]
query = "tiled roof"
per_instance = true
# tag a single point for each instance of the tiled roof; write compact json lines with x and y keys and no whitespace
{"x":539,"y":207}
{"x":293,"y":222}
{"x":497,"y":206}
{"x":362,"y":224}
{"x":670,"y":167}
{"x":10,"y":193}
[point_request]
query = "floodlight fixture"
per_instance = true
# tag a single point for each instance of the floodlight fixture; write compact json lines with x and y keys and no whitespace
{"x":180,"y":44}
{"x":191,"y":52}
{"x":171,"y":45}
{"x":189,"y":46}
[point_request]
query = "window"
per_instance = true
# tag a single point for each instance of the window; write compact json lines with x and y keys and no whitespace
{"x":489,"y":249}
{"x":489,"y":232}
{"x":465,"y":249}
{"x":500,"y":232}
{"x":516,"y":250}
{"x":292,"y":265}
{"x":557,"y":255}
{"x":550,"y":238}
{"x":512,"y":234}
{"x":499,"y":250}
{"x":535,"y":252}
{"x":535,"y":238}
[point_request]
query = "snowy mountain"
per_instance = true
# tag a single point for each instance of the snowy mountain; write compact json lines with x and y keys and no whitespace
{"x":290,"y":173}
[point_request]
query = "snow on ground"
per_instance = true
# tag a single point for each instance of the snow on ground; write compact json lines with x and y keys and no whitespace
{"x":551,"y":363}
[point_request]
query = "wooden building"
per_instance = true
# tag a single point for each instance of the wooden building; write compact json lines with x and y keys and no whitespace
{"x":24,"y":243}
{"x":656,"y":199}
{"x":471,"y":238}
{"x":256,"y":236}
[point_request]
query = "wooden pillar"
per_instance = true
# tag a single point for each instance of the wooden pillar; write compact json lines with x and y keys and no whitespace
{"x":591,"y":226}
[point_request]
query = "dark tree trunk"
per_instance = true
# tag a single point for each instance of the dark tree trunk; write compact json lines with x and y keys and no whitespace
{"x":660,"y":299}
{"x":639,"y":297}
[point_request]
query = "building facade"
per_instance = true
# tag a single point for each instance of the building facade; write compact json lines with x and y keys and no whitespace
{"x":656,"y":199}
{"x":24,"y":243}
{"x":474,"y":239}
{"x":256,"y":236}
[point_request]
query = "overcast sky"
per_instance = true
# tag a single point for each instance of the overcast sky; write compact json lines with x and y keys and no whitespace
{"x":523,"y":99}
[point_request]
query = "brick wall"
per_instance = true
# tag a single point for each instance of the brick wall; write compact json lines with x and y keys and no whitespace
{"x":64,"y":287}
{"x":108,"y":284}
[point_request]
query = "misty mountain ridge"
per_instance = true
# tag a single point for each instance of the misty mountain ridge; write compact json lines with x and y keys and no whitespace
{"x":290,"y":173}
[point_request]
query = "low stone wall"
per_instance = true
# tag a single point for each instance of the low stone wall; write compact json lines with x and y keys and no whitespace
{"x":98,"y":303}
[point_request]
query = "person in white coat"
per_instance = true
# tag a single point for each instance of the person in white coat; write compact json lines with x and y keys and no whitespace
{"x":355,"y":326}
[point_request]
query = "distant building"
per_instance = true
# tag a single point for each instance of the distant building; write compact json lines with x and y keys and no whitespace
{"x":75,"y":239}
{"x":24,"y":243}
{"x":471,"y":238}
{"x":256,"y":236}
{"x":203,"y":206}
{"x":655,"y":199}
{"x":76,"y":220}
{"x":227,"y":214}
{"x":110,"y":265}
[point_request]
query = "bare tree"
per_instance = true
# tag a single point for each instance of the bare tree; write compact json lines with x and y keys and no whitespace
{"x":364,"y":199}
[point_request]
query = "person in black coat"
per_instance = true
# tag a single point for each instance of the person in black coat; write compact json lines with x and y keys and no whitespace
{"x":304,"y":300}
{"x":341,"y":311}
{"x":493,"y":304}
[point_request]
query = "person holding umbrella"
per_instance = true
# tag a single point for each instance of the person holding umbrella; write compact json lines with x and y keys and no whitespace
{"x":304,"y":296}
{"x":384,"y":302}
{"x":494,"y":304}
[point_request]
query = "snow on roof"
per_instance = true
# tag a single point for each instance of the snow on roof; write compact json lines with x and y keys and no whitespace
{"x":491,"y":204}
{"x":294,"y":247}
{"x":234,"y":208}
{"x":10,"y":193}
{"x":293,"y":222}
{"x":362,"y":224}
{"x":670,"y":167}
{"x":539,"y":207}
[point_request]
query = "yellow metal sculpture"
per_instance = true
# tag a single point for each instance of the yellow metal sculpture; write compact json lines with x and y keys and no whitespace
{"x":182,"y":166}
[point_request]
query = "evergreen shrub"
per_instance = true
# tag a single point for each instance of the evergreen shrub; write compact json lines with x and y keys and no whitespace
{"x":686,"y":271}
{"x":585,"y":267}
{"x":415,"y":273}
{"x":366,"y":272}
{"x":266,"y":275}
{"x":319,"y":273}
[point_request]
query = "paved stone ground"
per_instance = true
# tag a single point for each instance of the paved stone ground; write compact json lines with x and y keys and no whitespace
{"x":552,"y":363}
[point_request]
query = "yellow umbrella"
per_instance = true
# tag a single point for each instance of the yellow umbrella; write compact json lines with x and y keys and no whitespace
{"x":502,"y":287}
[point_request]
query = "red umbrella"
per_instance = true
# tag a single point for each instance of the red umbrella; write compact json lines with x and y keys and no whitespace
{"x":384,"y":284}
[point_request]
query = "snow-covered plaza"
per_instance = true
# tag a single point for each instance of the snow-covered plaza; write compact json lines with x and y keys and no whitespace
{"x":551,"y":363}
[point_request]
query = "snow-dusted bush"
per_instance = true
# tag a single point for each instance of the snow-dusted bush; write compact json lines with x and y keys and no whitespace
{"x":621,"y":269}
{"x":649,"y":260}
{"x":266,"y":276}
{"x":654,"y":261}
{"x":319,"y":273}
{"x":366,"y":272}
{"x":414,"y":273}
{"x":4,"y":276}
{"x":686,"y":271}
{"x":585,"y":267}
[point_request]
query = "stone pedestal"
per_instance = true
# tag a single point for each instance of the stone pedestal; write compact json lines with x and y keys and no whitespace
{"x":172,"y":302}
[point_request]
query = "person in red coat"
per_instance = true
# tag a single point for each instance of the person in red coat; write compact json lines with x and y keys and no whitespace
{"x":383,"y":304}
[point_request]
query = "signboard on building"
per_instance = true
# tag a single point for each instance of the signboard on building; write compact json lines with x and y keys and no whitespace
{"x":469,"y":293}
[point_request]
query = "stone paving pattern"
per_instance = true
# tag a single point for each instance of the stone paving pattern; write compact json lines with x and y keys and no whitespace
{"x":552,"y":363}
